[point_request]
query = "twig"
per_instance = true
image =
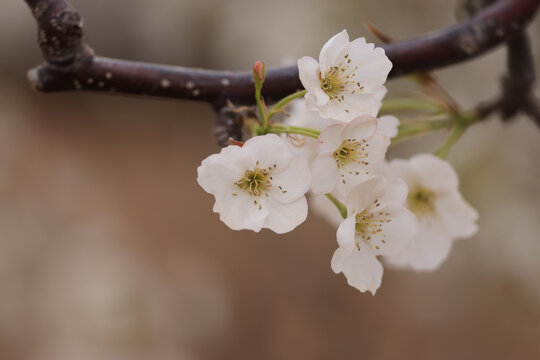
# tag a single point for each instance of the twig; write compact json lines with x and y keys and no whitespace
{"x":517,"y":85}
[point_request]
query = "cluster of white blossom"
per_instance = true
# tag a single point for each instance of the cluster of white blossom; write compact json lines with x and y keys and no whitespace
{"x":406,"y":211}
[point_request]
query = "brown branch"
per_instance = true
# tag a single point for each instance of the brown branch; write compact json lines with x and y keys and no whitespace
{"x":71,"y":65}
{"x":517,"y":85}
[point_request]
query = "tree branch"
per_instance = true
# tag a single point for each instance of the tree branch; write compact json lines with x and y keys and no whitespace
{"x":517,"y":85}
{"x":71,"y":65}
{"x":518,"y":93}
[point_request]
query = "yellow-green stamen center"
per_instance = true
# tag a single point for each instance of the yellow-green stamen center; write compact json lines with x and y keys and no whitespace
{"x":340,"y":78}
{"x":255,"y":182}
{"x":351,"y":150}
{"x":421,"y":201}
{"x":370,"y":223}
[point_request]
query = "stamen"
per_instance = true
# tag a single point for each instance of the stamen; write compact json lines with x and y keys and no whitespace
{"x":337,"y":80}
{"x":255,"y":182}
{"x":351,"y":150}
{"x":369,"y":226}
{"x":421,"y":201}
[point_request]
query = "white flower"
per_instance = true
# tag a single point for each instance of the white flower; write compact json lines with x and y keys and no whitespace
{"x":259,"y":185}
{"x":377,"y":224}
{"x":443,"y":215}
{"x":347,"y":154}
{"x":301,"y":116}
{"x":346,"y":81}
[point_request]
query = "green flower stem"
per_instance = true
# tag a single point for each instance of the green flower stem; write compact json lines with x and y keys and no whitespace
{"x":260,"y":106}
{"x":462,"y":121}
{"x":408,"y":104}
{"x":285,"y":129}
{"x":342,"y":209}
{"x":457,"y":132}
{"x":313,"y":131}
{"x":407,"y":131}
{"x":283,"y":102}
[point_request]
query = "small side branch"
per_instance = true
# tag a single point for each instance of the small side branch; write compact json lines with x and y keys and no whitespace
{"x":60,"y":30}
{"x":517,"y":85}
{"x":518,"y":93}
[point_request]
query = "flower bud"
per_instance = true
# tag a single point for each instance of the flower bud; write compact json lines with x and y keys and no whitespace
{"x":259,"y":73}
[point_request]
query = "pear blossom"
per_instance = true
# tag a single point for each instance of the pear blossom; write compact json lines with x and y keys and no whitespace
{"x":443,"y":215}
{"x":346,"y":81}
{"x":347,"y":155}
{"x":259,"y":185}
{"x":377,"y":223}
{"x":300,"y":115}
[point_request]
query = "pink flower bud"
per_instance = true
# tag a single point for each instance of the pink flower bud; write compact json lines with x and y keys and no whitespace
{"x":258,"y":72}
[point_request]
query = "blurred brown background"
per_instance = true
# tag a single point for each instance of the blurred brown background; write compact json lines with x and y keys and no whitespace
{"x":109,"y":249}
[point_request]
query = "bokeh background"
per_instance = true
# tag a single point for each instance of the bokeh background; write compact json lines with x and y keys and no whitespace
{"x":110,"y":250}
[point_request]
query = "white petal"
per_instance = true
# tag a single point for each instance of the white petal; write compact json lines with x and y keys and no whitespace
{"x":346,"y":232}
{"x":358,"y":104}
{"x":349,"y":108}
{"x":402,"y":169}
{"x":292,"y":183}
{"x":321,"y":206}
{"x":373,"y":64}
{"x":300,"y":115}
{"x":396,"y":191}
{"x":283,"y":218}
{"x":303,"y":146}
{"x":309,"y":72}
{"x":311,"y":101}
{"x":396,"y":235}
{"x":377,"y":145}
{"x":363,"y":196}
{"x":362,"y":127}
{"x":325,"y":174}
{"x":436,"y":174}
{"x":350,"y":176}
{"x":361,"y":268}
{"x":338,"y":259}
{"x":318,"y":123}
{"x":332,"y":50}
{"x":241,"y":212}
{"x":330,"y":138}
{"x":457,"y":215}
{"x":333,"y":109}
{"x":379,"y":94}
{"x":219,"y":172}
{"x":388,"y":125}
{"x":269,"y":150}
{"x":427,"y":250}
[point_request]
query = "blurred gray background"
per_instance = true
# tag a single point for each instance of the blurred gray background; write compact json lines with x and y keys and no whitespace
{"x":109,"y":249}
